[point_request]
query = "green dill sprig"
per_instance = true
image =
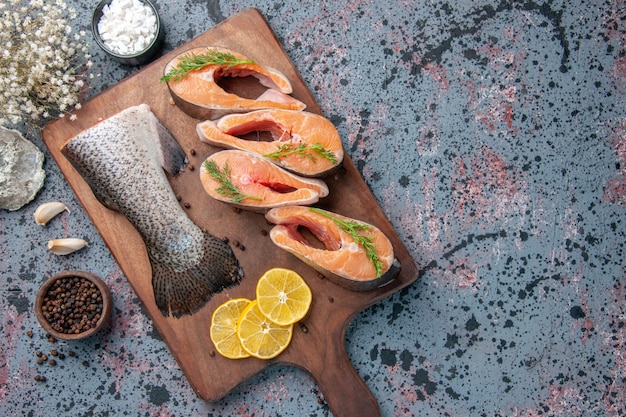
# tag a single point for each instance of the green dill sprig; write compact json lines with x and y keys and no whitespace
{"x":191,"y":62}
{"x":226,"y":188}
{"x":309,"y":151}
{"x":354,"y":229}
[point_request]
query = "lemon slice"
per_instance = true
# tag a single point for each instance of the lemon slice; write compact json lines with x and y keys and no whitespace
{"x":283,"y":296}
{"x":261,"y":337}
{"x":224,"y":328}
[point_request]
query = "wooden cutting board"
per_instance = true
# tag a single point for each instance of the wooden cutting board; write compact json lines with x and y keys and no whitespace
{"x":318,"y":344}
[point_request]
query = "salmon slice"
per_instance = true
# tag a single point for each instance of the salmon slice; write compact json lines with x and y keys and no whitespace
{"x":302,"y":142}
{"x":252,"y":182}
{"x":198,"y":93}
{"x":343,"y":259}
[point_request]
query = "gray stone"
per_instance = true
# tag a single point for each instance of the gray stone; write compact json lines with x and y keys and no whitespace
{"x":21,"y":170}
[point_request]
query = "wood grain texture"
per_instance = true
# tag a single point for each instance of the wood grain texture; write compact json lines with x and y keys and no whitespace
{"x":320,"y":349}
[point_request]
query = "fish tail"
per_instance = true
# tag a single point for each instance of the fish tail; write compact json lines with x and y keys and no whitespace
{"x":173,"y":158}
{"x":178,"y":293}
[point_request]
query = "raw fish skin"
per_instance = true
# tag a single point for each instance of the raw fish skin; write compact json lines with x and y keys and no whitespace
{"x":123,"y":158}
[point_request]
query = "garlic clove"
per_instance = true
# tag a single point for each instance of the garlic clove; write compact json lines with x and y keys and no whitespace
{"x":47,"y":211}
{"x":66,"y":246}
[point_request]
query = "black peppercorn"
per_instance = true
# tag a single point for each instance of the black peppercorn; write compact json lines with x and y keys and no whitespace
{"x":68,"y":303}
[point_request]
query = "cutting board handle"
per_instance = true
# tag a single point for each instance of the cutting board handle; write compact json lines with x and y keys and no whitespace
{"x":344,"y":391}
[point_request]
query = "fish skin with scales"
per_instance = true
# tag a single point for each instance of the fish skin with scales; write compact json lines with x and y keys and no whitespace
{"x":124,"y":159}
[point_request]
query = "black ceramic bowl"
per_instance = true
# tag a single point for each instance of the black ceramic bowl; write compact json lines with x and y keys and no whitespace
{"x":77,"y":297}
{"x":137,"y":58}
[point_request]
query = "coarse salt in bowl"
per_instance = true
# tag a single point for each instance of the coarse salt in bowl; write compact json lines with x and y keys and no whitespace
{"x":129,"y":31}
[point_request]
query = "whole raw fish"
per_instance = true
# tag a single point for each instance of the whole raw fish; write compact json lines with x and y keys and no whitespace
{"x":122,"y":159}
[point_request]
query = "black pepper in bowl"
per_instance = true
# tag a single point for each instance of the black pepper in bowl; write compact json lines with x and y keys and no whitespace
{"x":73,"y":305}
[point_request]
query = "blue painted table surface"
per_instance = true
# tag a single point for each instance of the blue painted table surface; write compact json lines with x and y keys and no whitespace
{"x":493,"y":135}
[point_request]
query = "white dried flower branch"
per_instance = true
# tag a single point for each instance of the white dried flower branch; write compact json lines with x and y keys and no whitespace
{"x":43,"y":65}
